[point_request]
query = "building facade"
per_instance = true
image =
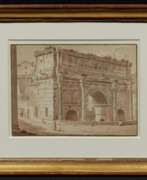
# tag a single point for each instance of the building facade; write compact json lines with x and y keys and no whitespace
{"x":84,"y":87}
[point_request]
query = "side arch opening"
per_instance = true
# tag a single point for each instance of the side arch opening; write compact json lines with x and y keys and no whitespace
{"x":71,"y":115}
{"x":120,"y":115}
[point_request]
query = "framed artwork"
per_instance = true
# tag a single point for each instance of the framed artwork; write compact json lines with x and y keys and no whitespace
{"x":64,"y":91}
{"x":73,"y":89}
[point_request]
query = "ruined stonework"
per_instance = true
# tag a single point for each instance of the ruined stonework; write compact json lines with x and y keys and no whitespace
{"x":64,"y":87}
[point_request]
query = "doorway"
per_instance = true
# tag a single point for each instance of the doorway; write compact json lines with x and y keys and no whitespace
{"x":120,"y":115}
{"x":71,"y":115}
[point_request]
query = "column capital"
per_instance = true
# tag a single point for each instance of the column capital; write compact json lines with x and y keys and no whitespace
{"x":114,"y":85}
{"x":81,"y":81}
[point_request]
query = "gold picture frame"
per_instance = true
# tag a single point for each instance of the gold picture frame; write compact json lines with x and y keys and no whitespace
{"x":73,"y":13}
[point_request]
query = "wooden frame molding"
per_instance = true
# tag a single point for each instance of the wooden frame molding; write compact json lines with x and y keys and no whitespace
{"x":74,"y":12}
{"x":70,"y":13}
{"x":72,"y":167}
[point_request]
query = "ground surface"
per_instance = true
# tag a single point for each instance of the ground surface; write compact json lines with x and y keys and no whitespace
{"x":74,"y":129}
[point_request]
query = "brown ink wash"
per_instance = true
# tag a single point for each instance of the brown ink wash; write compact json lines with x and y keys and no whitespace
{"x":74,"y":89}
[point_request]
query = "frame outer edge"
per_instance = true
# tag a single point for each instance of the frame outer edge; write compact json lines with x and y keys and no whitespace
{"x":29,"y":14}
{"x":103,"y":168}
{"x":70,"y":12}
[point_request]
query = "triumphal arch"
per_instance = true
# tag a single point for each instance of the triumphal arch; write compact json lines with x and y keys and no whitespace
{"x":86,"y":87}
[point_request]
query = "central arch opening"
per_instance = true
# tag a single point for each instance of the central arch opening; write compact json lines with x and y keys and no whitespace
{"x":99,"y":98}
{"x":71,"y":115}
{"x":97,"y":102}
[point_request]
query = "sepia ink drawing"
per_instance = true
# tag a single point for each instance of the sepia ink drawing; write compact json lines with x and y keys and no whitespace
{"x":74,"y":89}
